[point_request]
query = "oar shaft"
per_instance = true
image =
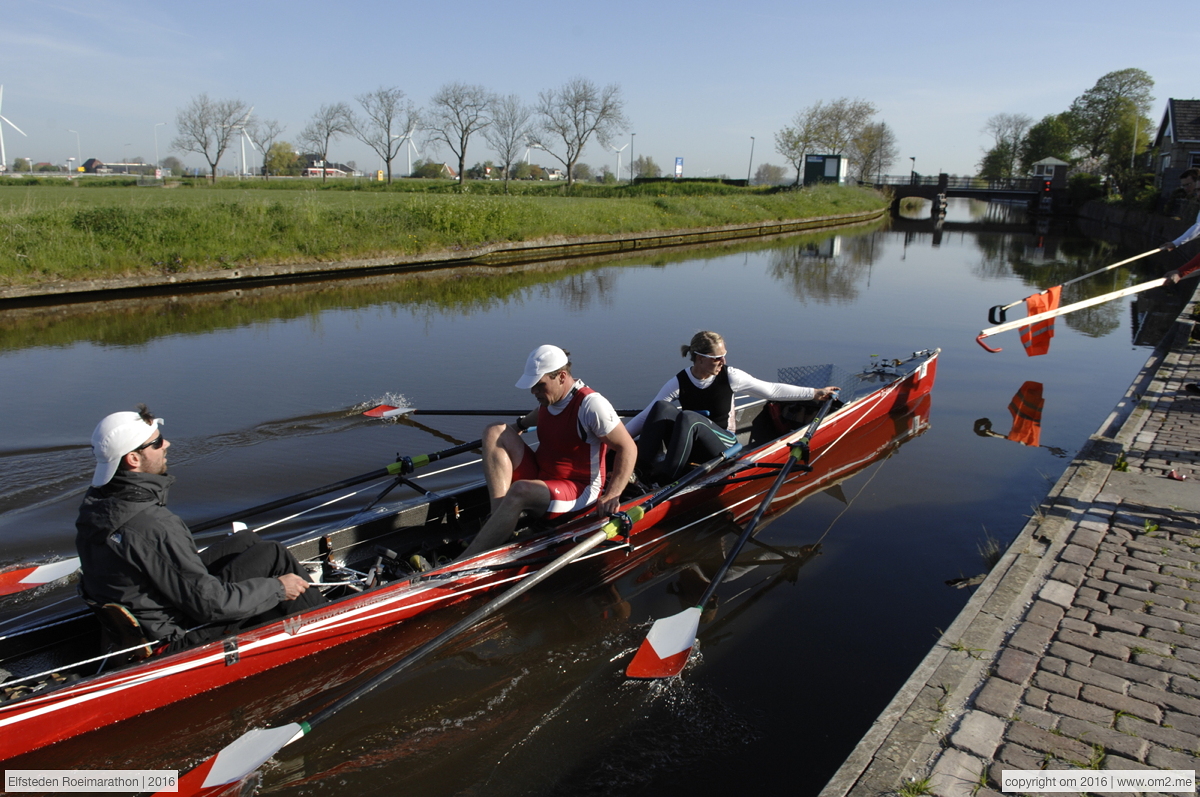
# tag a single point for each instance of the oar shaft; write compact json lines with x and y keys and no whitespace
{"x":496,"y":413}
{"x":399,"y":467}
{"x":605,"y":532}
{"x":1070,"y":308}
{"x":612,"y":528}
{"x":1126,"y":261}
{"x":291,"y":499}
{"x":798,"y":451}
{"x":424,"y":459}
{"x":1110,"y":268}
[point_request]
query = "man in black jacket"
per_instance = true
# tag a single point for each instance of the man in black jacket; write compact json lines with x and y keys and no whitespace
{"x":137,"y":553}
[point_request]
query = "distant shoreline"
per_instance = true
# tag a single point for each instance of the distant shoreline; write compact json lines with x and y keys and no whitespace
{"x":85,"y":243}
{"x":82,"y":290}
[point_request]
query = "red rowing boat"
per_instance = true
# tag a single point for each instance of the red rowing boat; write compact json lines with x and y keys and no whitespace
{"x":51,"y":698}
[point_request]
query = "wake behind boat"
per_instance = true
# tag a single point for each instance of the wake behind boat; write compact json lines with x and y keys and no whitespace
{"x":52,"y":697}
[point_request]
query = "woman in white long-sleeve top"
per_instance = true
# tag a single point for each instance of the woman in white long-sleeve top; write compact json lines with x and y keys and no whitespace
{"x":704,"y":420}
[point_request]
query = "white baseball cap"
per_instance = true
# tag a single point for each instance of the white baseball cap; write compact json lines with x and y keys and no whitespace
{"x":116,"y":436}
{"x":542,"y":361}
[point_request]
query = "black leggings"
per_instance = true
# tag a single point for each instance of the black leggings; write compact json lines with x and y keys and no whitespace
{"x":682,"y":432}
{"x":242,"y":556}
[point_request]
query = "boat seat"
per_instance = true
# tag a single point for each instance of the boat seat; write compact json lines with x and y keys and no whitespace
{"x":119,"y":630}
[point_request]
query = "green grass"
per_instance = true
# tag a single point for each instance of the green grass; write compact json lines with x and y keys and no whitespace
{"x":128,"y":323}
{"x":915,"y":788}
{"x":59,"y":231}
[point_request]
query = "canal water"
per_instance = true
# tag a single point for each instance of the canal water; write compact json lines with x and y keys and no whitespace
{"x":262,"y":390}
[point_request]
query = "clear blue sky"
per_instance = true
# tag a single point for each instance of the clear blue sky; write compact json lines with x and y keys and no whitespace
{"x":699,"y":77}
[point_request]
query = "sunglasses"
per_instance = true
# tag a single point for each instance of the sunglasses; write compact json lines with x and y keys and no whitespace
{"x":156,"y":443}
{"x":720,"y":357}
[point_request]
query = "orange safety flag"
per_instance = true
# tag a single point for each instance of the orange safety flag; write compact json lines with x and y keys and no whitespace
{"x":1036,"y":338}
{"x":1026,"y":408}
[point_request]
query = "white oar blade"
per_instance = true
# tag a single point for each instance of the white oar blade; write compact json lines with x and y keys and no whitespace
{"x":665,"y":650}
{"x":14,"y":581}
{"x":238,"y":760}
{"x":392,"y":413}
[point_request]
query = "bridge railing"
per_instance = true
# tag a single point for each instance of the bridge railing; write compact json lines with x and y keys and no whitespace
{"x":977,"y":183}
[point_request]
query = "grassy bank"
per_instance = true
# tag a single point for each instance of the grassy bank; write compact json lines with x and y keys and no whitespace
{"x":54,"y":231}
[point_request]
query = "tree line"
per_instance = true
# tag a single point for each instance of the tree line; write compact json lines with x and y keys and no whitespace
{"x":841,"y":127}
{"x":1100,"y":134}
{"x":561,"y":123}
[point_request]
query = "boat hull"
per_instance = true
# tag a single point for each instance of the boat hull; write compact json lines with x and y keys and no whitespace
{"x":850,"y":436}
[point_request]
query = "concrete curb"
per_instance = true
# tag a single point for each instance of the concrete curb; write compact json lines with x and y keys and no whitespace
{"x":931,"y":710}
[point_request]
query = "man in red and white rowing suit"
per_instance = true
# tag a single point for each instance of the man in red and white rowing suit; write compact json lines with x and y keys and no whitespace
{"x":576,"y":427}
{"x":1189,"y":181}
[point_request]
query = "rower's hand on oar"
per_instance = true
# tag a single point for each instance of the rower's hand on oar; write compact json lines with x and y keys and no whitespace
{"x":1172,"y":276}
{"x":826,"y":393}
{"x":608,"y":505}
{"x":293,"y":586}
{"x":1167,"y":247}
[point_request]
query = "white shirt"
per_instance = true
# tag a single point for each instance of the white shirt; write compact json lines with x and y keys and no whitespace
{"x":1190,"y":234}
{"x":596,"y":413}
{"x":740,"y":381}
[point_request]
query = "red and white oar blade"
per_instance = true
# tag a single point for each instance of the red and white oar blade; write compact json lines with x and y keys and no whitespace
{"x":665,"y":649}
{"x":237,"y":760}
{"x":23,"y":578}
{"x":387,"y":411}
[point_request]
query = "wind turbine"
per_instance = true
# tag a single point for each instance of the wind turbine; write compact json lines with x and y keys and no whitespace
{"x":411,"y":147}
{"x":240,"y":126}
{"x":618,"y":151}
{"x":3,"y":154}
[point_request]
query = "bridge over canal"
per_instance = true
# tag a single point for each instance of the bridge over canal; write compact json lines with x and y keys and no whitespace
{"x":942,"y":187}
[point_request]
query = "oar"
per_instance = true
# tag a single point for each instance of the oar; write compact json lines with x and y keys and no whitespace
{"x":401,"y":467}
{"x":25,"y":578}
{"x":240,"y":758}
{"x":665,"y":650}
{"x":992,"y":313}
{"x":1070,"y":308}
{"x":388,"y":411}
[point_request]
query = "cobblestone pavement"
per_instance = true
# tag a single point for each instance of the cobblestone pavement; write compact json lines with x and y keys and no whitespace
{"x":1082,"y":648}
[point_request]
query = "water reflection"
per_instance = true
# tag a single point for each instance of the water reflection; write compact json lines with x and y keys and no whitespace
{"x":1026,"y":410}
{"x":260,"y":388}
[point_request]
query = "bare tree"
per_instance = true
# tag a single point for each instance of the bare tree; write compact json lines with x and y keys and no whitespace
{"x":264,"y":133}
{"x":840,"y":121}
{"x":458,"y":111}
{"x":797,"y":141}
{"x":576,"y":111}
{"x":831,"y":127}
{"x":512,"y":122}
{"x":329,"y":123}
{"x":206,"y":127}
{"x":387,"y":118}
{"x":873,"y":150}
{"x":1008,"y":130}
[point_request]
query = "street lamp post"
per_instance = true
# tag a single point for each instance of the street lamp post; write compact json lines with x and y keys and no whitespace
{"x":751,"y":166}
{"x":157,"y":162}
{"x":78,"y":149}
{"x":631,"y":135}
{"x":912,"y":176}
